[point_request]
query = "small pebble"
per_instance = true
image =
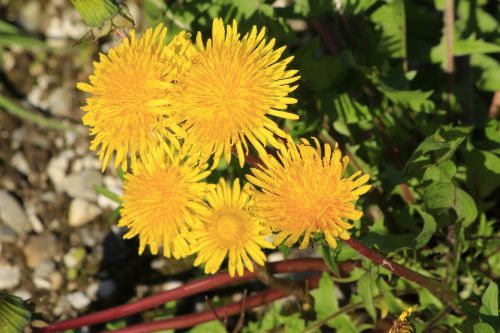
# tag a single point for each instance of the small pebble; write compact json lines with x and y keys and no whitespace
{"x":82,"y":184}
{"x":78,"y":300}
{"x":82,"y":212}
{"x":10,"y":276}
{"x":12,"y":214}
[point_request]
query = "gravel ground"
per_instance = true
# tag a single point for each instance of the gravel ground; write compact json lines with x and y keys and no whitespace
{"x":59,"y":246}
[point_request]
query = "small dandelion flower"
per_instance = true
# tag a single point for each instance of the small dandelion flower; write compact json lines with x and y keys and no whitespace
{"x":162,"y":200}
{"x":302,"y":192}
{"x":229,"y":91}
{"x":229,"y":229}
{"x":127,"y":112}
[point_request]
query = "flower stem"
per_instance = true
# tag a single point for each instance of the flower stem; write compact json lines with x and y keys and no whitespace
{"x":232,"y":309}
{"x":188,"y":289}
{"x":438,"y":288}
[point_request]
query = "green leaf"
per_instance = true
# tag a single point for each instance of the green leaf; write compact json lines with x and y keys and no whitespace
{"x":443,"y":143}
{"x":445,"y":195}
{"x":489,"y":300}
{"x":465,"y":207}
{"x":366,"y":289}
{"x":326,"y":252}
{"x":483,"y":328}
{"x":214,"y":326}
{"x":324,"y":73}
{"x":490,"y":80}
{"x":439,"y":195}
{"x":391,"y":19}
{"x":428,"y":229}
{"x":349,"y":110}
{"x":416,"y":100}
{"x":325,"y":298}
{"x":462,"y":47}
{"x":14,"y":314}
{"x":442,"y":172}
{"x":389,"y":298}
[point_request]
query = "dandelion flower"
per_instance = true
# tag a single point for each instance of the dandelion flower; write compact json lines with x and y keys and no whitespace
{"x":130,"y":87}
{"x":229,"y":91}
{"x":302,"y":193}
{"x":162,"y":200}
{"x":229,"y":229}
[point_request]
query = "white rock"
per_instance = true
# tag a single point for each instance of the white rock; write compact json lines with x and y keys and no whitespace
{"x":30,"y":16}
{"x":275,"y":256}
{"x":78,"y":300}
{"x":18,"y":161}
{"x":171,"y":285}
{"x":7,"y":235}
{"x":12,"y":214}
{"x":34,"y":220}
{"x":59,"y":102}
{"x":57,"y":168}
{"x":41,"y":283}
{"x":82,"y":184}
{"x":82,"y":212}
{"x":44,"y":269}
{"x":92,"y":290}
{"x":23,"y":294}
{"x":10,"y":276}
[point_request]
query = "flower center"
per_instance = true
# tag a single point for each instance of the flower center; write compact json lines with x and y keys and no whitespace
{"x":229,"y":225}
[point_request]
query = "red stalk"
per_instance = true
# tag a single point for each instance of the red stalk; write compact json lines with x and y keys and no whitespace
{"x":224,"y":311}
{"x":188,"y":289}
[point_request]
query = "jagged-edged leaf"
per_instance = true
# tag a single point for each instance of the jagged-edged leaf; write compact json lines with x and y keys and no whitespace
{"x":391,"y":19}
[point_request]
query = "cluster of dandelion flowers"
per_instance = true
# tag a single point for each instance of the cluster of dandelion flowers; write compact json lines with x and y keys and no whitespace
{"x":230,"y":230}
{"x":129,"y":105}
{"x":230,"y":89}
{"x":303,"y":192}
{"x":163,"y":198}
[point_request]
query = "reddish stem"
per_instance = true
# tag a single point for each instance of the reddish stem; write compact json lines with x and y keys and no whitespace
{"x":232,"y":309}
{"x":439,"y":289}
{"x":188,"y":289}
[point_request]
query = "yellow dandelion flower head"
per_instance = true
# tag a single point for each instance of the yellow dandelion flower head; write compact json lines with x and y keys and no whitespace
{"x":162,"y":199}
{"x":229,"y":229}
{"x":303,"y":192}
{"x":128,"y":109}
{"x":232,"y":86}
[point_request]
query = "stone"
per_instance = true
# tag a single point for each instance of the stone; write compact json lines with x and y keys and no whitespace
{"x":10,"y":276}
{"x":74,"y":257}
{"x":23,"y":294}
{"x":40,"y":248}
{"x":92,"y":290}
{"x":12,"y":214}
{"x":41,"y":283}
{"x":82,"y":212}
{"x":18,"y":161}
{"x":78,"y":300}
{"x":56,"y":280}
{"x":81,"y":185}
{"x":7,"y":235}
{"x":57,"y":167}
{"x":36,"y":224}
{"x":44,"y":269}
{"x":30,"y":17}
{"x":59,"y":102}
